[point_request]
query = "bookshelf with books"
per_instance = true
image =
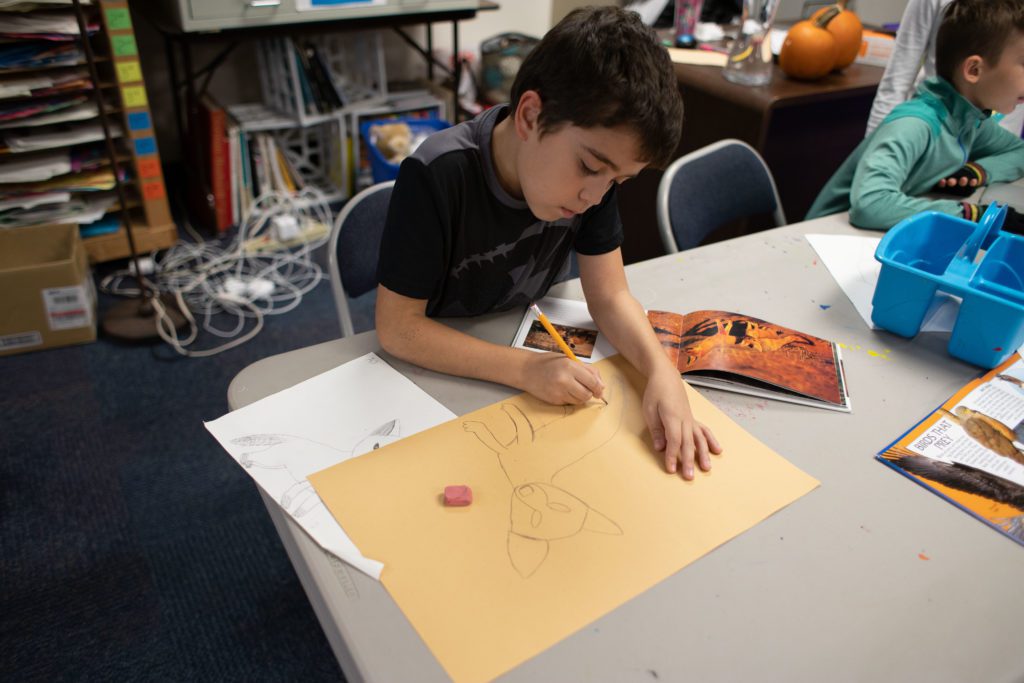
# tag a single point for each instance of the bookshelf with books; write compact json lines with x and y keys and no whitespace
{"x":301,"y":136}
{"x":54,"y":161}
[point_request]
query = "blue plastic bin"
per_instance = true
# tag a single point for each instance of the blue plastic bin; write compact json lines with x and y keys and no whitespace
{"x":933,"y":252}
{"x":381,"y":168}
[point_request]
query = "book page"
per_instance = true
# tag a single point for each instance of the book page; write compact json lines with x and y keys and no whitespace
{"x":984,"y":430}
{"x":572,"y":320}
{"x":723,"y":342}
{"x":971,"y":450}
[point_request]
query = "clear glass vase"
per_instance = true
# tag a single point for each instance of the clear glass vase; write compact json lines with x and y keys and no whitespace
{"x":749,"y":63}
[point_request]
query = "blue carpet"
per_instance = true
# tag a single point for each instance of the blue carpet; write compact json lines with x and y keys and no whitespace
{"x":132,"y":547}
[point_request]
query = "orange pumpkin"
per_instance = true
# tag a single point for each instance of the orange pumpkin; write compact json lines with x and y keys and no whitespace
{"x":809,"y":51}
{"x":846,"y":28}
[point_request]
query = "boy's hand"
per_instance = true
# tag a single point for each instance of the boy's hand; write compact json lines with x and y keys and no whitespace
{"x":675,"y":433}
{"x":558,"y":380}
{"x":963,"y":182}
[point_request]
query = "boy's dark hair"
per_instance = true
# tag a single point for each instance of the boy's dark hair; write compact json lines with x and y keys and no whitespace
{"x":602,"y":67}
{"x":975,"y":27}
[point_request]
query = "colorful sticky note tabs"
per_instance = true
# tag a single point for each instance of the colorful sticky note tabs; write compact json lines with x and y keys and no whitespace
{"x":124,"y":46}
{"x":129,"y":72}
{"x":153,"y":190}
{"x":139,"y":120}
{"x":149,"y":168}
{"x":144,"y":146}
{"x":134,"y":96}
{"x":118,"y":18}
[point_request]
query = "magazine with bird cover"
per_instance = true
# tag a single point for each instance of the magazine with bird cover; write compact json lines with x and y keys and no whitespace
{"x":971,"y":450}
{"x":717,"y":349}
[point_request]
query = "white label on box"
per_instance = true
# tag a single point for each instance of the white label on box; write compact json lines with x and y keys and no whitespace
{"x":22,"y":340}
{"x":67,"y":308}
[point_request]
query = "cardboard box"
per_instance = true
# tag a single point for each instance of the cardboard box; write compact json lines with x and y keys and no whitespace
{"x":47,"y":297}
{"x":875,"y":48}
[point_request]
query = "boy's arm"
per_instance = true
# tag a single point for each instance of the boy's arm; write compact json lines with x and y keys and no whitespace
{"x":877,"y":199}
{"x":908,"y":52}
{"x":623,"y":320}
{"x":999,"y":152}
{"x":405,"y":332}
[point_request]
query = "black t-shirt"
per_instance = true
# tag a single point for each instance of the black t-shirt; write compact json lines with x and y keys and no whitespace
{"x":454,"y":237}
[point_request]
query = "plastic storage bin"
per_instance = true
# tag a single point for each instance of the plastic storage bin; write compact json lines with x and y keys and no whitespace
{"x":382,"y":168}
{"x":933,"y":252}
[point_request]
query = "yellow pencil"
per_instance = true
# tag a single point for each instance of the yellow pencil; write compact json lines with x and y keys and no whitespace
{"x":557,"y":337}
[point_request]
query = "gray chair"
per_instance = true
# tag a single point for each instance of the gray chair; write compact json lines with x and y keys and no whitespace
{"x":707,"y":188}
{"x":354,"y":248}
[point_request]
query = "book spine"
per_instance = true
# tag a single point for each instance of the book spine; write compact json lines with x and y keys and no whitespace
{"x":323,"y":74}
{"x":245,"y":172}
{"x":310,"y":94}
{"x":274,"y":165}
{"x":220,"y":169}
{"x":233,"y":166}
{"x":259,"y":180}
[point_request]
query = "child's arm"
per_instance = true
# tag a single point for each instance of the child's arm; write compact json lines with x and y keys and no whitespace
{"x":908,"y":52}
{"x":877,"y":198}
{"x":405,"y":331}
{"x":999,"y":152}
{"x":666,"y":409}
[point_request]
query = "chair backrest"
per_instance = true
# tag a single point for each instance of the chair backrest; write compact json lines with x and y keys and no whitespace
{"x":709,"y":187}
{"x":354,"y":248}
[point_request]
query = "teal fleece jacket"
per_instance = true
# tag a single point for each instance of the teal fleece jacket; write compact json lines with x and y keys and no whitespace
{"x":923,"y":140}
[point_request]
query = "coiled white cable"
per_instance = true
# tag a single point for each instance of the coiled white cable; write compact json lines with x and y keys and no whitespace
{"x":252,"y":276}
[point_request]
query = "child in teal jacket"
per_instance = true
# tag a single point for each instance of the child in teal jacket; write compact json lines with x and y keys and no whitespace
{"x":944,"y":140}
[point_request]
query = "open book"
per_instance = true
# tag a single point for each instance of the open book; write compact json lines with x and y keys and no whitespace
{"x":971,"y":450}
{"x":718,"y":349}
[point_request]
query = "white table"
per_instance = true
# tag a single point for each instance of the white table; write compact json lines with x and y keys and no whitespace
{"x":835,"y":587}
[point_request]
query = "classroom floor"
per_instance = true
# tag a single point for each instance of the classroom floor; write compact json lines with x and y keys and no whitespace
{"x":132,"y":547}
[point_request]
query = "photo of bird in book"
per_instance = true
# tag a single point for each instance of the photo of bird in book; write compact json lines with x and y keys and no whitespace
{"x":995,"y":500}
{"x":580,"y":339}
{"x":711,"y":342}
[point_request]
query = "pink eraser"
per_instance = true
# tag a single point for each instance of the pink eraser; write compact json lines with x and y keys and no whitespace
{"x":458,"y":496}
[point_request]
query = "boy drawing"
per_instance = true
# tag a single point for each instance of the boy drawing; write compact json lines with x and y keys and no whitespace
{"x":944,"y":140}
{"x":483,"y":217}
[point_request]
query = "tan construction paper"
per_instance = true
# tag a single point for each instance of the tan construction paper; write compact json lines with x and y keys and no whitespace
{"x":572,"y":515}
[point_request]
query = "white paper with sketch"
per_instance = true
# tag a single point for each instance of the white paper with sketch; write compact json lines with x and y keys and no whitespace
{"x":342,"y":413}
{"x":572,"y":319}
{"x":850,"y":259}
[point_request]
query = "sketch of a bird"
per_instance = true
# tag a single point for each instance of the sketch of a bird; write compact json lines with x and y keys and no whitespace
{"x":541,"y":511}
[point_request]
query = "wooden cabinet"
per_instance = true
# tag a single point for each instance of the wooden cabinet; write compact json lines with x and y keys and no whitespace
{"x":803,"y":130}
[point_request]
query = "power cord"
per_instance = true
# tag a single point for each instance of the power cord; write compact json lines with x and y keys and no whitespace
{"x":265,"y":269}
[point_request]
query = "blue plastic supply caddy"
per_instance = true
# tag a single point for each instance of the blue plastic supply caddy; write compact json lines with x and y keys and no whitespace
{"x":381,"y":168}
{"x":932,"y":252}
